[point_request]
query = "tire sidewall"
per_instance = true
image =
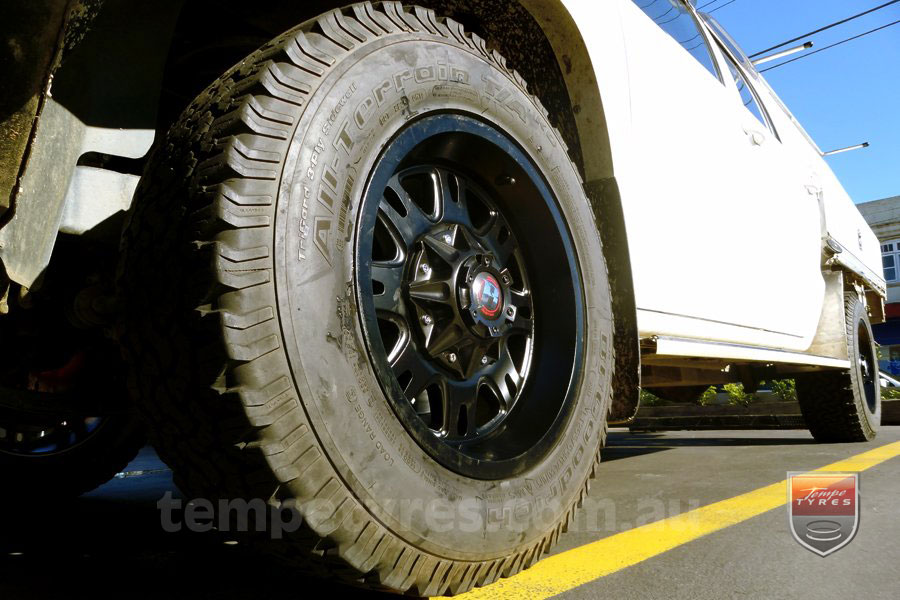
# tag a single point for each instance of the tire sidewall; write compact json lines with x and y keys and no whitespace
{"x":870,"y":419}
{"x":362,"y":104}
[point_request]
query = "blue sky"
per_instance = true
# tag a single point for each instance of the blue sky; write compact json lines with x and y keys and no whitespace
{"x":842,"y":96}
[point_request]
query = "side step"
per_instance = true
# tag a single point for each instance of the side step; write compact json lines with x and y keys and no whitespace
{"x":672,"y":346}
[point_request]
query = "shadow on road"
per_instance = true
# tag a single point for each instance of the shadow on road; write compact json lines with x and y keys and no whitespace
{"x":110,"y":543}
{"x":626,"y":444}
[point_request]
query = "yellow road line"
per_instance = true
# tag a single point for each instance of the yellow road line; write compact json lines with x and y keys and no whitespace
{"x":567,"y":570}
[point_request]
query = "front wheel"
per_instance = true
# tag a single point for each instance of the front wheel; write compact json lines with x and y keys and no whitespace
{"x":845,"y":406}
{"x":386,"y":303}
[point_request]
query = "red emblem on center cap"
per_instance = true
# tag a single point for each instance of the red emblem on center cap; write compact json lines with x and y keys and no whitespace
{"x":487,"y":295}
{"x":823,"y":509}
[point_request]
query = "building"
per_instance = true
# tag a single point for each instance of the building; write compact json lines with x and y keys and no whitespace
{"x":883,"y":217}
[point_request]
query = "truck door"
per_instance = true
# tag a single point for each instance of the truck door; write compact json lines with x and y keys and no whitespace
{"x":709,"y":254}
{"x":782,"y":227}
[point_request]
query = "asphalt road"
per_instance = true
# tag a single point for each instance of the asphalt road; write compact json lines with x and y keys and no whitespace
{"x":109,"y":543}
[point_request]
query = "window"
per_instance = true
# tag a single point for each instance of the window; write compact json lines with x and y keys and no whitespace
{"x":748,"y":96}
{"x":673,"y":17}
{"x":890,"y":259}
{"x":729,"y":43}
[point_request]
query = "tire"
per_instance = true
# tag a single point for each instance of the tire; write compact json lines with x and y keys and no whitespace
{"x":48,"y":477}
{"x":47,"y":456}
{"x":254,"y":347}
{"x":680,"y":394}
{"x":845,"y":406}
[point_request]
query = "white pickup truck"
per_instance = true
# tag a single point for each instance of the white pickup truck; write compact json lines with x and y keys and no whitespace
{"x":398,"y":267}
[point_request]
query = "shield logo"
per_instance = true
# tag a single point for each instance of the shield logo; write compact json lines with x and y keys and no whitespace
{"x":823,"y":509}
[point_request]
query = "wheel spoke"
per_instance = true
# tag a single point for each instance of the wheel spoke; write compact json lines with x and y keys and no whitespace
{"x":502,"y":250}
{"x":410,"y":365}
{"x":459,"y":410}
{"x":471,"y":241}
{"x":411,"y":225}
{"x":452,"y":202}
{"x":445,"y":339}
{"x":505,"y":379}
{"x":396,"y":224}
{"x":442,"y":249}
{"x":390,"y":276}
{"x":430,"y":291}
{"x":524,"y":321}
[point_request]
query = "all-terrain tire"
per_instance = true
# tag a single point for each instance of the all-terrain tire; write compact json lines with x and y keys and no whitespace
{"x":845,"y":406}
{"x":241,"y":325}
{"x":40,"y":479}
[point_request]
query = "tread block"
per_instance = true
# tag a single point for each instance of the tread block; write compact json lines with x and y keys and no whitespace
{"x":251,"y":115}
{"x":257,"y":148}
{"x":246,"y":192}
{"x":241,"y":217}
{"x":245,"y":321}
{"x":426,"y":19}
{"x":237,"y":255}
{"x":271,"y":411}
{"x":394,"y":11}
{"x":243,"y":238}
{"x":372,"y":20}
{"x":253,"y":350}
{"x":456,"y":31}
{"x":318,"y":48}
{"x":241,"y":279}
{"x":272,"y":83}
{"x":251,"y":396}
{"x":328,"y":23}
{"x":246,"y":301}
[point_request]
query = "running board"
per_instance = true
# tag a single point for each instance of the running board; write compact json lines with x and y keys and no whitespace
{"x":671,"y":346}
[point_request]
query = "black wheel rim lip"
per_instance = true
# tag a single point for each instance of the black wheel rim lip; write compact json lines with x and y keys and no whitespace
{"x":56,"y":428}
{"x":869,"y":376}
{"x":414,"y":133}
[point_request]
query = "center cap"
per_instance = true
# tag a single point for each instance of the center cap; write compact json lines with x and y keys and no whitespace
{"x":487,"y":296}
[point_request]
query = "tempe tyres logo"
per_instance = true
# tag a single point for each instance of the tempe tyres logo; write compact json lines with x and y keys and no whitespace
{"x":823,"y":509}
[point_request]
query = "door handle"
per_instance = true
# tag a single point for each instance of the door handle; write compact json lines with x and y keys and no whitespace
{"x":757,"y":137}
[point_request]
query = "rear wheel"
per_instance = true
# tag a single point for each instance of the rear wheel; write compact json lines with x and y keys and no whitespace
{"x":845,"y":406}
{"x":65,"y":424}
{"x":386,"y":303}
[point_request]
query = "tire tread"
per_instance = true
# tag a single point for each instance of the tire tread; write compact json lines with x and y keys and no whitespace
{"x":233,"y":428}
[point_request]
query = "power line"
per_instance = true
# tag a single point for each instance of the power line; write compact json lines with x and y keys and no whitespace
{"x":701,"y":7}
{"x":731,"y":1}
{"x":855,"y":37}
{"x":800,"y":37}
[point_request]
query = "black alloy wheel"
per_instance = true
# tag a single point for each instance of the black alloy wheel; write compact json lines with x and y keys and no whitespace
{"x":468,"y":289}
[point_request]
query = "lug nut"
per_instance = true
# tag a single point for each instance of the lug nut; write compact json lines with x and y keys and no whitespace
{"x":425,"y":268}
{"x":506,"y":280}
{"x":448,"y":239}
{"x":510,"y":312}
{"x":451,"y":357}
{"x":486,"y":260}
{"x":427,"y":320}
{"x":484,"y":360}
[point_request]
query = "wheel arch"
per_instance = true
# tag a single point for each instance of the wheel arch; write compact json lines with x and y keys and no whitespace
{"x":545,"y":46}
{"x":547,"y":49}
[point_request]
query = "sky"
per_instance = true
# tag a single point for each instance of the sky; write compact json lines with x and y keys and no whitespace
{"x":843,"y":96}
